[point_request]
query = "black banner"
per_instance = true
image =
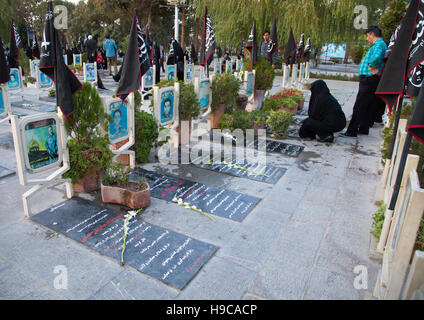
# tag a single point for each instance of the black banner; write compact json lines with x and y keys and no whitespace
{"x":4,"y":68}
{"x":209,"y":41}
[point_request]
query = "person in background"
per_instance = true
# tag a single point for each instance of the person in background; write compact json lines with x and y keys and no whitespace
{"x":263,"y":49}
{"x":111,"y":50}
{"x":91,"y":45}
{"x":99,"y":60}
{"x":325,"y":115}
{"x":364,"y":112}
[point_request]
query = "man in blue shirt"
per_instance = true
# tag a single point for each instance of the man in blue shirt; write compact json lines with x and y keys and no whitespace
{"x":111,"y":51}
{"x":366,"y":104}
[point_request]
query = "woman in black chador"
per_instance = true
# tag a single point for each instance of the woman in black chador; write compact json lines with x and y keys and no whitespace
{"x":325,"y":115}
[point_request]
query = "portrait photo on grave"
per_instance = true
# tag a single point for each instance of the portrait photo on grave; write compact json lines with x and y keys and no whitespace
{"x":204,"y":94}
{"x":171,"y":73}
{"x":2,"y":101}
{"x":249,"y":84}
{"x":34,"y":67}
{"x":90,"y":72}
{"x":189,"y":73}
{"x":15,"y":80}
{"x":148,"y":79}
{"x":167,"y":106}
{"x":40,"y":142}
{"x":77,"y":59}
{"x":45,"y":80}
{"x":118,"y":127}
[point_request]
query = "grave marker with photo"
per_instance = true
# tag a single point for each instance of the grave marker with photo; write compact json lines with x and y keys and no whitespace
{"x":90,"y":73}
{"x":15,"y":82}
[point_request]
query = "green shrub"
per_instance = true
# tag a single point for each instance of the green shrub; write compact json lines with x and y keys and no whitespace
{"x":264,"y":76}
{"x":137,"y":99}
{"x":116,"y":175}
{"x":226,"y":122}
{"x":225,"y":88}
{"x":279,"y":123}
{"x":146,"y":133}
{"x":356,"y":53}
{"x":84,"y":57}
{"x":391,"y":18}
{"x":378,"y":221}
{"x":241,"y":120}
{"x":89,"y":145}
{"x":271,"y":104}
{"x":189,"y":105}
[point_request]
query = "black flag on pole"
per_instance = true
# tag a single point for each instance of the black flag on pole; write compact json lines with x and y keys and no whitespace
{"x":290,"y":54}
{"x":252,"y":46}
{"x":136,"y":62}
{"x":35,"y":49}
{"x":273,"y":41}
{"x":208,"y":42}
{"x":193,"y":54}
{"x":53,"y":65}
{"x":307,"y":50}
{"x":416,"y":125}
{"x":300,"y":48}
{"x":4,"y":68}
{"x":15,"y":46}
{"x":405,"y":56}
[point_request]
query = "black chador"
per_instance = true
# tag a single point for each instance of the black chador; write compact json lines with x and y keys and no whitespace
{"x":325,"y":114}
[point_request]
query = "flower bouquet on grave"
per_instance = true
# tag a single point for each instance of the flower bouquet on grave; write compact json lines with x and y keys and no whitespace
{"x":187,"y":205}
{"x":128,"y":217}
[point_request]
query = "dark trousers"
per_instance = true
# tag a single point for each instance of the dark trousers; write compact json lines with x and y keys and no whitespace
{"x":365,"y":104}
{"x":312,"y":127}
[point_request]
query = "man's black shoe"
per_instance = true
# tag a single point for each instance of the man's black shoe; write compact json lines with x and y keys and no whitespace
{"x":347,"y":135}
{"x":363,"y":133}
{"x":329,"y":139}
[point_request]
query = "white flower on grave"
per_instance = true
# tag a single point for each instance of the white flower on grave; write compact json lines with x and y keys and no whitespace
{"x":194,"y":207}
{"x":180,"y":201}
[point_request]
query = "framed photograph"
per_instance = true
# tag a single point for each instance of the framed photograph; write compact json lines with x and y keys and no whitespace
{"x":77,"y":60}
{"x":204,"y":93}
{"x":65,"y":58}
{"x":34,"y":64}
{"x":118,"y":127}
{"x":189,"y":73}
{"x":165,"y":101}
{"x":15,"y":81}
{"x":3,"y":106}
{"x":148,"y":80}
{"x":171,"y":72}
{"x":249,"y":79}
{"x":43,"y":80}
{"x":90,"y":72}
{"x":40,"y":139}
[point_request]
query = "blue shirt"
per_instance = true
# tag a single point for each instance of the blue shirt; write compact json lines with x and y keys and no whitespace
{"x":110,"y":47}
{"x":373,"y":58}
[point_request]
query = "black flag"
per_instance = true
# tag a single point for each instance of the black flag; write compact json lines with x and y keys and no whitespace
{"x":405,"y":56}
{"x":4,"y":68}
{"x":307,"y":50}
{"x":290,"y":54}
{"x":273,"y":41}
{"x":136,"y":62}
{"x":208,"y":42}
{"x":53,"y":65}
{"x":15,"y":46}
{"x":242,"y":47}
{"x":300,"y":48}
{"x":35,"y":49}
{"x":252,"y":45}
{"x":416,"y":125}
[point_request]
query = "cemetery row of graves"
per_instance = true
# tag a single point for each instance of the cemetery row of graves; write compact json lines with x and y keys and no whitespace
{"x":104,"y":147}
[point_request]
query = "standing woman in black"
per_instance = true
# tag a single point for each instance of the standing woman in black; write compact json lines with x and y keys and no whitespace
{"x":325,"y":115}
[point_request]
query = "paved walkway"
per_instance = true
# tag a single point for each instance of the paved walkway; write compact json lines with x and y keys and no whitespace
{"x":302,"y":241}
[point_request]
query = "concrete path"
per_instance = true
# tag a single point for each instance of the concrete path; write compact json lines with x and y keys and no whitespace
{"x":302,"y":241}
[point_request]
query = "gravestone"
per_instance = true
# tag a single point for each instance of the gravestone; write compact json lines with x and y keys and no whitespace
{"x":5,"y":172}
{"x":217,"y":201}
{"x":6,"y":142}
{"x":286,"y":149}
{"x":34,"y":105}
{"x":170,"y":257}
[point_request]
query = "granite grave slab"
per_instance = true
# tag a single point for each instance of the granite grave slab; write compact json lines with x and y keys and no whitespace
{"x":170,"y":257}
{"x":34,"y":105}
{"x":212,"y":200}
{"x":5,"y":172}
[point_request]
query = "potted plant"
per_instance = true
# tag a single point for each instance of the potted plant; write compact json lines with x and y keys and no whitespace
{"x":258,"y":118}
{"x":225,"y":88}
{"x":88,"y":145}
{"x":297,"y":96}
{"x":264,"y":79}
{"x":118,"y":189}
{"x":146,"y":133}
{"x":30,"y":82}
{"x":279,"y":123}
{"x":189,"y":105}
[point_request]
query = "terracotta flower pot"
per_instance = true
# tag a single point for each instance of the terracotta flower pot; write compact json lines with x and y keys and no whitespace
{"x":242,"y":102}
{"x":126,"y":197}
{"x":216,"y":115}
{"x":89,"y":182}
{"x":294,"y":111}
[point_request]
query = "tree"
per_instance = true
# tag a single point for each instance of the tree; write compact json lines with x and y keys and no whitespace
{"x":392,"y":17}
